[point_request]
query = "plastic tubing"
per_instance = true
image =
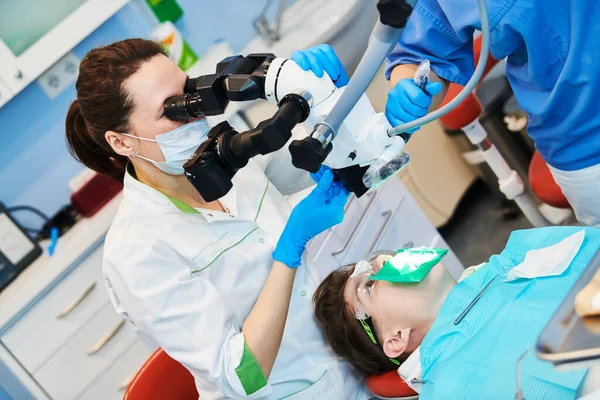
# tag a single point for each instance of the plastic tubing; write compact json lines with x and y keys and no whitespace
{"x":470,"y":86}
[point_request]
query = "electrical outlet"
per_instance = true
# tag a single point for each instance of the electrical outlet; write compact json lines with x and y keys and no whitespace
{"x":59,"y":76}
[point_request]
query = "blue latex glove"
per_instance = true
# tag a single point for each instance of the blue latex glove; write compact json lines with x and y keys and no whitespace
{"x":319,"y":211}
{"x":319,"y":174}
{"x":407,"y":102}
{"x":322,"y":58}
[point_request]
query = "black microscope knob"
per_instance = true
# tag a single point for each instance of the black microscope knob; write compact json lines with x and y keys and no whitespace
{"x":394,"y":13}
{"x":308,"y":154}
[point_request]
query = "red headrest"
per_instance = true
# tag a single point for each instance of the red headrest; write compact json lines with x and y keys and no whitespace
{"x":389,"y":384}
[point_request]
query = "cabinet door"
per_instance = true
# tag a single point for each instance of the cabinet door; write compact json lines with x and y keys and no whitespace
{"x":408,"y":226}
{"x":66,"y":308}
{"x":86,"y":355}
{"x":5,"y":94}
{"x":113,"y":383}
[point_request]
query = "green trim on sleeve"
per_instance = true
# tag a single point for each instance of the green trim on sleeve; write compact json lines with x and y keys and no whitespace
{"x":249,"y":373}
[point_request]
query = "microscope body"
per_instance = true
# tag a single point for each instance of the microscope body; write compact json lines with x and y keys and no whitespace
{"x":360,"y":140}
{"x":304,"y":100}
{"x":343,"y":130}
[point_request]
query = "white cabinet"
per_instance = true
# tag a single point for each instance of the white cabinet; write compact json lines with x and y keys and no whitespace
{"x":86,"y":355}
{"x":71,"y":341}
{"x":62,"y":312}
{"x":35,"y":34}
{"x":112,"y":384}
{"x":387,"y":218}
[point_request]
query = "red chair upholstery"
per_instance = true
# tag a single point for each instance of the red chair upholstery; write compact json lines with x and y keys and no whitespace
{"x":390,"y":385}
{"x":470,"y":108}
{"x":543,"y":184}
{"x":161,"y":378}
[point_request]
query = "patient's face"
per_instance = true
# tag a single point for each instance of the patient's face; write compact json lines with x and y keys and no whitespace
{"x":394,"y":308}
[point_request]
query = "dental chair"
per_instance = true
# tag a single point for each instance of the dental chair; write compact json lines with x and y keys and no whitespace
{"x":543,"y":184}
{"x":162,"y":378}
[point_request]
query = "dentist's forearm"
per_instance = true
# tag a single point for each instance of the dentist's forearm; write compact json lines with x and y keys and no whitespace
{"x":263,"y":329}
{"x":403,"y":71}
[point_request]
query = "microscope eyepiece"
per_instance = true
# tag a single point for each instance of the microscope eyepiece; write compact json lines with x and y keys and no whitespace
{"x":183,"y":107}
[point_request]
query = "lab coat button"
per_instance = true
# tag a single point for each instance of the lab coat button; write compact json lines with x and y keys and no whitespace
{"x":303,"y":293}
{"x":210,"y":215}
{"x":261,"y":240}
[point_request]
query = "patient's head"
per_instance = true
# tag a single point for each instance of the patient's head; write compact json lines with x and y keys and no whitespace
{"x":399,"y":315}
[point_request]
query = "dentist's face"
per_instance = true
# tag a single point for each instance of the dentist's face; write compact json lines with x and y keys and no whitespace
{"x":155,"y":81}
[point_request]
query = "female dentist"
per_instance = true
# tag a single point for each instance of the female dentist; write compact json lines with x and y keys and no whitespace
{"x":212,"y":283}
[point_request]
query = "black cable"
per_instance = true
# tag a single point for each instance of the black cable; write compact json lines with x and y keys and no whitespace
{"x":29,"y":208}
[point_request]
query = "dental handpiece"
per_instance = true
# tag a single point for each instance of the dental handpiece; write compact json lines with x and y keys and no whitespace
{"x":421,"y":79}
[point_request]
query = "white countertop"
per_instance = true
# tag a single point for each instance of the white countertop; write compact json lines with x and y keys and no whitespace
{"x":39,"y":275}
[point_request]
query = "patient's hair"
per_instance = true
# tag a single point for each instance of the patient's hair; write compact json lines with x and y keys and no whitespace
{"x":346,"y":336}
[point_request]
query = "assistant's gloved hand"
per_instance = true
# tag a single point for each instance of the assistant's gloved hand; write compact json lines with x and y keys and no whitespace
{"x":319,"y":211}
{"x":407,"y":102}
{"x":322,"y":58}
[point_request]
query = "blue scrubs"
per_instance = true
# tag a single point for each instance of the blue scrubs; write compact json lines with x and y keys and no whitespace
{"x":553,"y":65}
{"x":477,"y":358}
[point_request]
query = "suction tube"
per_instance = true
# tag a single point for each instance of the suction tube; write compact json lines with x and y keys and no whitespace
{"x":470,"y":86}
{"x":383,"y":40}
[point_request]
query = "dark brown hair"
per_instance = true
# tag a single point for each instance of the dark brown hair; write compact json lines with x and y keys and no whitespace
{"x":103,"y":104}
{"x":346,"y":337}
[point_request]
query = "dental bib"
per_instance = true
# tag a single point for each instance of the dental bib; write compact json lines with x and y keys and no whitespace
{"x":410,"y":265}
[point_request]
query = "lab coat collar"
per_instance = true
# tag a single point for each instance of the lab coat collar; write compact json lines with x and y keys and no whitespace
{"x":135,"y":188}
{"x":411,"y":372}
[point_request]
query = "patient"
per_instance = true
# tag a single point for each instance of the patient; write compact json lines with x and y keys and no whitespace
{"x":442,"y":347}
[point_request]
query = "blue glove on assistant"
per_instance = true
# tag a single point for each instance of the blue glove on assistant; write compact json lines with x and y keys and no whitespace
{"x":407,"y":102}
{"x":322,"y":58}
{"x":319,"y":211}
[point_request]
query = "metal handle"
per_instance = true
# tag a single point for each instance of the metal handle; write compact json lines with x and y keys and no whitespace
{"x":98,"y":346}
{"x":75,"y":303}
{"x":126,"y":383}
{"x":387,"y":215}
{"x":350,"y":200}
{"x":351,"y":236}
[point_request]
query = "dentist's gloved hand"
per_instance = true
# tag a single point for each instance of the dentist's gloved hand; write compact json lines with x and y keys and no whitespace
{"x":407,"y":102}
{"x":319,"y":174}
{"x":319,"y":211}
{"x":322,"y":58}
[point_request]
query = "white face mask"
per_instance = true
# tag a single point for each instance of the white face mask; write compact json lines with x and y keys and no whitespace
{"x":177,"y":145}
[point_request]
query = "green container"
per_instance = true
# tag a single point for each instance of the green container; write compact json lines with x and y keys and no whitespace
{"x":165,"y":10}
{"x":175,"y":46}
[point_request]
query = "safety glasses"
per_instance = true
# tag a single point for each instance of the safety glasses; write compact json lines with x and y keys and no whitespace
{"x":364,"y":288}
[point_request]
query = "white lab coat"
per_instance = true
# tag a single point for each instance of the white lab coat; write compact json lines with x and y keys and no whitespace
{"x":151,"y":252}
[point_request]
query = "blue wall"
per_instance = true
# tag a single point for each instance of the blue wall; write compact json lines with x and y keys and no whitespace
{"x":35,"y":166}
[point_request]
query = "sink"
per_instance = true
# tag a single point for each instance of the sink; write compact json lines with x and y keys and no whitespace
{"x":344,"y":24}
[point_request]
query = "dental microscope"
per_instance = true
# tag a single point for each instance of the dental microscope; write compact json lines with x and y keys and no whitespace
{"x":349,"y":146}
{"x":360,"y":145}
